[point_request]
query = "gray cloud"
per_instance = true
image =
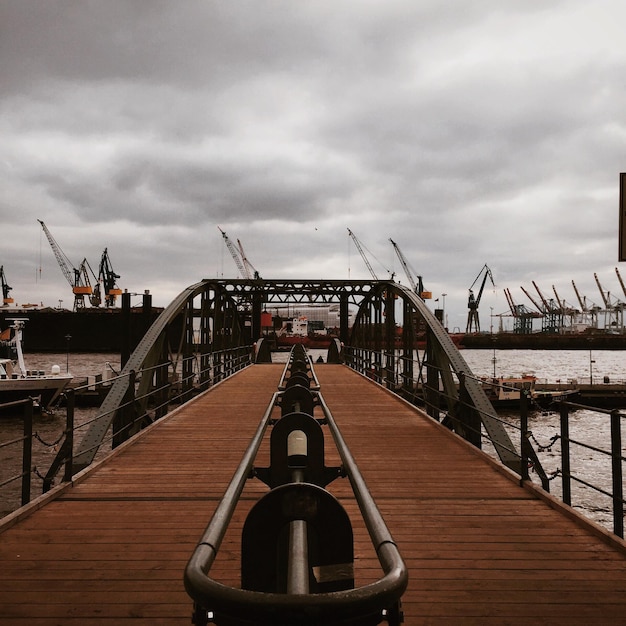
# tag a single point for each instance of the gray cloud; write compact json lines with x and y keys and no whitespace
{"x":469,"y":133}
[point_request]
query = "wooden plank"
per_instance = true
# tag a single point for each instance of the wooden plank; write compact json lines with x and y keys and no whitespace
{"x":480,"y":549}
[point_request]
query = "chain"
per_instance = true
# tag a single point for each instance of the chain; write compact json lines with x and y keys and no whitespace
{"x":37,"y":436}
{"x":540,"y":447}
{"x":551,"y":477}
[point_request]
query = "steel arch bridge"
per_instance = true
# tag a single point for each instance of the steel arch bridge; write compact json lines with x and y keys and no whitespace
{"x":213,"y":328}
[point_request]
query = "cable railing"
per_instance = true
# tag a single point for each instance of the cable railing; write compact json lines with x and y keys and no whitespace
{"x":435,"y":401}
{"x":170,"y":385}
{"x":280,"y":586}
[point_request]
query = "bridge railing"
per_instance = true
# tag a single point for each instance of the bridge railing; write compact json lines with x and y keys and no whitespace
{"x":583,"y":452}
{"x":25,"y":408}
{"x":151,"y":392}
{"x":297,"y":477}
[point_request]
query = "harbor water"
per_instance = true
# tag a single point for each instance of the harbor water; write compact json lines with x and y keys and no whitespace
{"x":548,"y":366}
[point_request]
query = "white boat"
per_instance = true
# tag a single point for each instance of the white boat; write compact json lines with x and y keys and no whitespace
{"x":18,"y":383}
{"x":506,"y":391}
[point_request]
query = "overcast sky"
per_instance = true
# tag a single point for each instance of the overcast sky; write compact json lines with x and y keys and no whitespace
{"x":470,"y":133}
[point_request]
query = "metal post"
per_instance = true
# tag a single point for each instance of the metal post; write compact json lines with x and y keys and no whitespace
{"x":27,"y":454}
{"x":126,"y":330}
{"x":524,"y":435}
{"x":69,"y":434}
{"x":565,"y":459}
{"x":616,"y":462}
{"x":344,"y":311}
{"x":298,"y":566}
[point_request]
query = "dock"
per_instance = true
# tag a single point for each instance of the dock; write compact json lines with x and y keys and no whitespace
{"x":111,"y":547}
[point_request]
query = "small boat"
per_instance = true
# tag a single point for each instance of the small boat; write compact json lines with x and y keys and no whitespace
{"x":505,"y":391}
{"x":17,"y":382}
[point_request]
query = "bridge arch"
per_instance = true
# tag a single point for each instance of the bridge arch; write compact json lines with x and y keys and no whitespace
{"x":210,"y":328}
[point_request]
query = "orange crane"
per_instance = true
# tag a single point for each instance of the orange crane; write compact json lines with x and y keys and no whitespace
{"x":108,"y":278}
{"x":77,"y":278}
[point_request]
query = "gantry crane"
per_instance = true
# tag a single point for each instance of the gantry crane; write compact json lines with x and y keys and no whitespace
{"x":473,"y":302}
{"x":612,"y":312}
{"x":537,"y":305}
{"x":77,"y":278}
{"x":6,"y":290}
{"x":108,"y":278}
{"x":583,"y":303}
{"x":621,"y":282}
{"x":239,"y":256}
{"x":565,"y":309}
{"x":522,"y":315}
{"x":552,"y":319}
{"x":416,"y":283}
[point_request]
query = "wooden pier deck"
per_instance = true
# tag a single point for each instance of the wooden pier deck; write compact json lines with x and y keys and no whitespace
{"x":111,"y":548}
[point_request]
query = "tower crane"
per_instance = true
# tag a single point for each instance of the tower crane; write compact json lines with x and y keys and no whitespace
{"x":108,"y":278}
{"x":473,"y":302}
{"x":6,"y":290}
{"x":77,"y":278}
{"x":417,"y":286}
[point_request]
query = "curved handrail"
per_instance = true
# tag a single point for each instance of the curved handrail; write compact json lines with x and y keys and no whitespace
{"x":301,"y":609}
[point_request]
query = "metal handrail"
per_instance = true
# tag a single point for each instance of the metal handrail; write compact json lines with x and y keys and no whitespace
{"x":301,"y":609}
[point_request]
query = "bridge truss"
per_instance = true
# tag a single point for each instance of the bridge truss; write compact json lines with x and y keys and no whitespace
{"x":212,"y":329}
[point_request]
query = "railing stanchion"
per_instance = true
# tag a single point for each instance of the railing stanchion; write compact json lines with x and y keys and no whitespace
{"x":524,"y":435}
{"x":69,"y":434}
{"x":27,"y":454}
{"x":565,"y":458}
{"x":616,"y":462}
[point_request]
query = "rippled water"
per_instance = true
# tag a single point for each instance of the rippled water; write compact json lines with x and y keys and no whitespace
{"x":547,"y":365}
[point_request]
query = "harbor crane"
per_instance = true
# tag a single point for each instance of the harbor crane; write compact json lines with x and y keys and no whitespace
{"x":537,"y":305}
{"x":251,"y":271}
{"x":77,"y":278}
{"x":523,"y":316}
{"x":108,"y":278}
{"x":359,"y":247}
{"x":588,"y":316}
{"x":416,"y":285}
{"x":6,"y":290}
{"x":239,"y":256}
{"x":473,"y":302}
{"x":552,"y":319}
{"x":581,"y":301}
{"x":612,"y":312}
{"x":621,"y":282}
{"x":565,"y":309}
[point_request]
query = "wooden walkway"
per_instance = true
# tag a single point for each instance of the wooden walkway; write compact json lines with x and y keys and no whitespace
{"x":111,"y":548}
